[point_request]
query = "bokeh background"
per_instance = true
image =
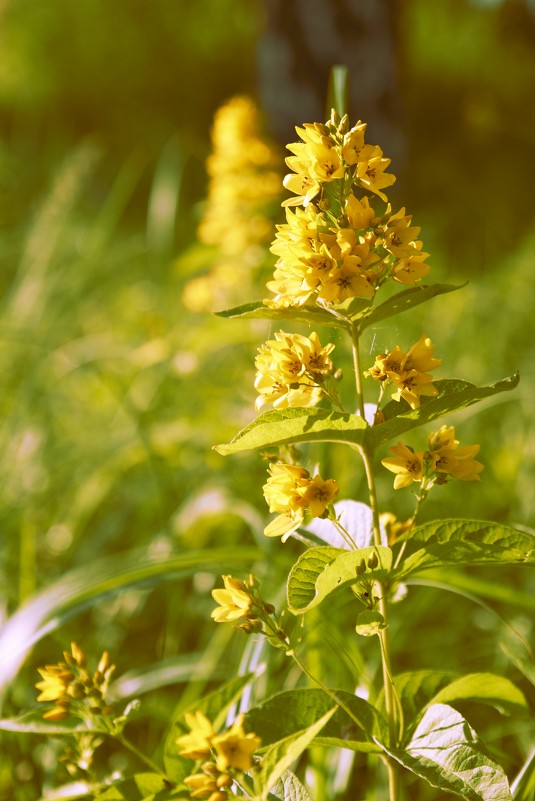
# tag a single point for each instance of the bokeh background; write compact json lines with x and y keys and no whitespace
{"x":117,"y":380}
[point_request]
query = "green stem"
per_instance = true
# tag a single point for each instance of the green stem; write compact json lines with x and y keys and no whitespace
{"x":358,"y":371}
{"x":389,"y":691}
{"x":345,"y":534}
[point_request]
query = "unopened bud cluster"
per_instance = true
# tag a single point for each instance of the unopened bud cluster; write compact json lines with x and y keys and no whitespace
{"x":73,"y":688}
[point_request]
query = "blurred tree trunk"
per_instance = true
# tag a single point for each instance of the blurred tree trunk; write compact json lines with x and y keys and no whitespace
{"x":303,"y":39}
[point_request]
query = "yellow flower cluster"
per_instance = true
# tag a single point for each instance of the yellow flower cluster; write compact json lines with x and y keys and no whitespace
{"x":444,"y":458}
{"x":223,"y":754}
{"x":292,"y":491}
{"x":72,"y":688}
{"x":408,"y":371}
{"x":244,"y":185}
{"x":337,"y":246}
{"x":291,"y":370}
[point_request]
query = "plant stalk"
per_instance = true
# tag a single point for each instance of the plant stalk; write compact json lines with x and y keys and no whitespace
{"x":389,"y":691}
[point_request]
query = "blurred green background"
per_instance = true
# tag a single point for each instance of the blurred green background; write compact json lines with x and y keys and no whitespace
{"x":115,"y":390}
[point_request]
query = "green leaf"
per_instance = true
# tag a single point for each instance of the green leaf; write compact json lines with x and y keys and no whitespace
{"x":463,"y":542}
{"x":85,"y":586}
{"x":278,"y":757}
{"x":402,"y":301}
{"x":289,"y":712}
{"x":304,"y":314}
{"x":415,"y":689}
{"x":292,"y":789}
{"x":33,"y":723}
{"x":215,"y":706}
{"x":297,"y":425}
{"x":523,"y":787}
{"x":140,"y":787}
{"x":369,"y":623}
{"x":303,"y":575}
{"x":446,"y":752}
{"x":485,"y":688}
{"x":317,"y":574}
{"x":453,"y":394}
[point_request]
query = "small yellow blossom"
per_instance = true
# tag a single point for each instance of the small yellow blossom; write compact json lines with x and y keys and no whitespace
{"x":290,"y":369}
{"x":197,"y":744}
{"x":202,"y":786}
{"x":235,"y":748}
{"x":359,"y":213}
{"x":408,"y":371}
{"x":55,"y":684}
{"x":291,"y":491}
{"x":450,"y":459}
{"x":371,"y":170}
{"x":393,"y":527}
{"x":407,"y":464}
{"x":234,"y":601}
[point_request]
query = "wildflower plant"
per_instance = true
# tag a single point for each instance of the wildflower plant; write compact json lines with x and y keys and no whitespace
{"x":341,"y":244}
{"x":346,"y":261}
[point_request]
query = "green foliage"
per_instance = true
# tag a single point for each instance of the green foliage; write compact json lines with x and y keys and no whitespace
{"x":321,"y":571}
{"x":356,"y":725}
{"x":446,"y":752}
{"x":279,"y":756}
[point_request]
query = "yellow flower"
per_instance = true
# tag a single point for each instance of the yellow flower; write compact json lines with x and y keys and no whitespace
{"x":202,"y":786}
{"x":347,"y":281}
{"x":411,"y":386}
{"x":407,"y":464}
{"x":407,"y":371}
{"x":394,"y":528}
{"x":371,"y":170}
{"x":55,"y":684}
{"x":290,"y":369}
{"x":319,"y":494}
{"x":196,"y":744}
{"x":291,"y":490}
{"x":235,"y":601}
{"x":235,"y":748}
{"x":353,"y":143}
{"x":449,"y":459}
{"x":411,"y":269}
{"x":359,"y":213}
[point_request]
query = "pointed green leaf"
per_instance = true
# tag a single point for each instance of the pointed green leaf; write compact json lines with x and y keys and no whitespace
{"x":523,"y":787}
{"x":446,"y":752}
{"x":33,"y":723}
{"x":463,"y":542}
{"x":485,"y":688}
{"x":297,"y":425}
{"x":278,"y":758}
{"x":215,"y":706}
{"x":316,"y":574}
{"x":453,"y":394}
{"x":303,"y":314}
{"x":289,"y":712}
{"x":401,"y":302}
